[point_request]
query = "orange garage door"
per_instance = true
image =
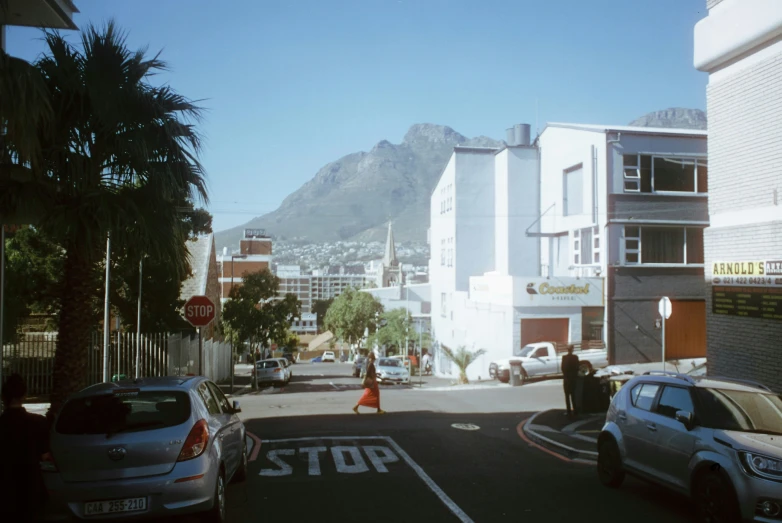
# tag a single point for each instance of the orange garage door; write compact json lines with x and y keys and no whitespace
{"x":549,"y":329}
{"x":685,"y":330}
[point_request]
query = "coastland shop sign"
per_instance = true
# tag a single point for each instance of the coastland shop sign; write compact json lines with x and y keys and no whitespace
{"x":559,"y":292}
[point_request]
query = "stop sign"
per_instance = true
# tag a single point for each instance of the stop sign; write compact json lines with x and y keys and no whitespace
{"x":199,"y":311}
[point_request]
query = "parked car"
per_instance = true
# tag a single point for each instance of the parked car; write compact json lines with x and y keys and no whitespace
{"x":391,"y":370}
{"x":716,"y":440}
{"x":155,"y":447}
{"x":359,"y":364}
{"x":289,"y":356}
{"x":287,"y":368}
{"x":271,"y":371}
{"x":316,"y":359}
{"x":545,"y":358}
{"x":329,"y":356}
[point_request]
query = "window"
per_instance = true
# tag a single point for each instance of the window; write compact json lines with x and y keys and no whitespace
{"x":572,"y":198}
{"x":663,"y":245}
{"x":643,"y":395}
{"x":586,"y":246}
{"x":208,"y":399}
{"x":644,"y":173}
{"x":442,"y":252}
{"x":674,"y":399}
{"x":443,"y":311}
{"x":220,"y":397}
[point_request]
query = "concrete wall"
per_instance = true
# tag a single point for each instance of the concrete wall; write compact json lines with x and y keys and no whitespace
{"x":739,"y":45}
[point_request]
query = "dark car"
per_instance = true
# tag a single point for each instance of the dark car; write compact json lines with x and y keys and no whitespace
{"x":358,"y":366}
{"x":289,"y":356}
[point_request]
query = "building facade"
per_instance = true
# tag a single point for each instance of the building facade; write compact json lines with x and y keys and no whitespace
{"x":573,"y":238}
{"x":739,"y":45}
{"x":255,"y":254}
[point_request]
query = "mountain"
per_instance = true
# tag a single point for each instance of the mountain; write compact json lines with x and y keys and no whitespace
{"x":675,"y":117}
{"x":354,"y":197}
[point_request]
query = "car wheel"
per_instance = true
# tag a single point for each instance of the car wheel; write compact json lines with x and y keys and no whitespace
{"x":217,"y":513}
{"x":241,"y":472}
{"x":714,"y":498}
{"x":609,"y":464}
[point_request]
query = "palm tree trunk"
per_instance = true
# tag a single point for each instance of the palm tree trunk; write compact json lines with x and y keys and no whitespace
{"x":70,"y":371}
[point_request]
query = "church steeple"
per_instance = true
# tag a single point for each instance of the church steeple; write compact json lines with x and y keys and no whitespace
{"x":389,"y":258}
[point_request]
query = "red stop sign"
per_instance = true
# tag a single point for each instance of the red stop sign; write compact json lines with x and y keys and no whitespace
{"x":199,"y":311}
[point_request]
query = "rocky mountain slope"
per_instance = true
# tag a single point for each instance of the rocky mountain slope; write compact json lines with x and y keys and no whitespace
{"x":676,"y":117}
{"x":355,"y":196}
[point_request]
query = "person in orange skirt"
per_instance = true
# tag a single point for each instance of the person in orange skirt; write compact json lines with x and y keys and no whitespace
{"x":371,"y":396}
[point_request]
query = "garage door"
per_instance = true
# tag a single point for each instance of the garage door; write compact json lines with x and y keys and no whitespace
{"x":549,"y":329}
{"x":685,"y":330}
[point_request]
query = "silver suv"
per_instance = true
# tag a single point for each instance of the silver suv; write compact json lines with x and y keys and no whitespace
{"x":716,"y":440}
{"x":152,"y":447}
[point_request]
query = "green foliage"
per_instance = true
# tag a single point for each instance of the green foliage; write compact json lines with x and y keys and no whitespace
{"x":321,"y":308}
{"x":255,"y":312}
{"x":291,"y":342}
{"x":463,"y":358}
{"x":351,"y":314}
{"x":32,"y":278}
{"x":395,"y":326}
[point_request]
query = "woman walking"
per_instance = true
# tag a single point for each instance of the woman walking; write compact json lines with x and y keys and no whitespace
{"x":371,"y":397}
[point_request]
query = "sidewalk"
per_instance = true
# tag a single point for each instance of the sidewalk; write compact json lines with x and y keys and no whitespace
{"x":574,"y":438}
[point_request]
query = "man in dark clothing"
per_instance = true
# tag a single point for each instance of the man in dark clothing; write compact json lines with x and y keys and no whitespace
{"x":570,"y":364}
{"x":24,"y":438}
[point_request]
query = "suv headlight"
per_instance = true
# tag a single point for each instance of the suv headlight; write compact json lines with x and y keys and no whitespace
{"x":762,"y":466}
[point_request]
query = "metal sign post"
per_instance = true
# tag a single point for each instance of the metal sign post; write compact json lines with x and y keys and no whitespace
{"x":106,"y":326}
{"x":664,"y":307}
{"x":200,"y":354}
{"x":138,"y":321}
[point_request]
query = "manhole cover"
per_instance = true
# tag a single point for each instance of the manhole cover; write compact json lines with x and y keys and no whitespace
{"x":465,"y":426}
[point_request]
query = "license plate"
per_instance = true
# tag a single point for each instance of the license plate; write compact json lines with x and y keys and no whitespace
{"x":116,"y":506}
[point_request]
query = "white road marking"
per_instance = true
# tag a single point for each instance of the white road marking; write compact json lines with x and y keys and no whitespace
{"x":379,"y":461}
{"x":448,"y":502}
{"x":285,"y":469}
{"x":332,"y":384}
{"x":314,"y":459}
{"x":358,"y":466}
{"x":465,"y":426}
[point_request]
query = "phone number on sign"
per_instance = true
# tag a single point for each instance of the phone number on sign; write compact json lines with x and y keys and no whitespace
{"x":743,"y":280}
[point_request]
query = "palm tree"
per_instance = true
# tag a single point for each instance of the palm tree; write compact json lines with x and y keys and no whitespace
{"x":462,"y":358}
{"x":119,"y":157}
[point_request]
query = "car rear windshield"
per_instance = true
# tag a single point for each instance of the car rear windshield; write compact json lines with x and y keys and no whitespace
{"x":740,"y":410}
{"x":268,"y":364}
{"x":127,"y":411}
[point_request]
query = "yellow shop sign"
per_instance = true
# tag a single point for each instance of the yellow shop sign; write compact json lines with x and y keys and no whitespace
{"x":545,"y":288}
{"x":739,"y":268}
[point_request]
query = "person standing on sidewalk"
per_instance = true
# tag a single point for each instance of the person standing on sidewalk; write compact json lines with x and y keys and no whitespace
{"x":371,"y":396}
{"x":570,"y":364}
{"x":24,"y":439}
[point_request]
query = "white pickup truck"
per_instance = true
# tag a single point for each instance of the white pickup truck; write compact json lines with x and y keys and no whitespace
{"x":545,"y":359}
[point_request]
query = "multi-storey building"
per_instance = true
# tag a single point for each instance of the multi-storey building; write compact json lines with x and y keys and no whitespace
{"x":255,"y":254}
{"x":573,"y":238}
{"x":739,"y":45}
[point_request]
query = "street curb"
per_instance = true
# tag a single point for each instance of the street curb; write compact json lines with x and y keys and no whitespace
{"x":554,"y":446}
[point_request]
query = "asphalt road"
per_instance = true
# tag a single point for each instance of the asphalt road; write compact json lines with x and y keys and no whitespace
{"x":436,"y":456}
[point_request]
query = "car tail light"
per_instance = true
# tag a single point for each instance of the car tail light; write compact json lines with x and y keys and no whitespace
{"x":47,"y":463}
{"x":196,"y":441}
{"x":278,"y":370}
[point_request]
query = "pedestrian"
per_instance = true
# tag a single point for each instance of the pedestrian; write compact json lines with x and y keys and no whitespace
{"x":24,"y":439}
{"x":371,"y":396}
{"x":570,"y":364}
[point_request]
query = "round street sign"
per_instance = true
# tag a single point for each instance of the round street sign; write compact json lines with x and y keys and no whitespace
{"x":199,"y":311}
{"x":664,"y":307}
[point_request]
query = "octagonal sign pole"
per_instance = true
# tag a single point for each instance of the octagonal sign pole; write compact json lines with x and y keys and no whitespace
{"x":199,"y":312}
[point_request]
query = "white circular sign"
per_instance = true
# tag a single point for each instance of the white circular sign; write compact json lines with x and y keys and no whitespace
{"x":465,"y":426}
{"x":664,"y":307}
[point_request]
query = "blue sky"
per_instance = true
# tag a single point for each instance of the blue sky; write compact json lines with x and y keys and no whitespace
{"x":290,"y":85}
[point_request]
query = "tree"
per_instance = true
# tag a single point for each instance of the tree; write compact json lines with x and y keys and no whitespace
{"x":395,"y":326}
{"x":321,"y":308}
{"x":352,"y":314}
{"x":256,"y":313}
{"x":111,"y":155}
{"x":291,"y":342}
{"x":463,"y":358}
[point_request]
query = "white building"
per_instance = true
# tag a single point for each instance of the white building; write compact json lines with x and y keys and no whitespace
{"x":522,"y":240}
{"x":739,"y":45}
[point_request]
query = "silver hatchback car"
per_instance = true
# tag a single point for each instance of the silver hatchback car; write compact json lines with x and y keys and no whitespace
{"x":147,"y":448}
{"x":716,"y":440}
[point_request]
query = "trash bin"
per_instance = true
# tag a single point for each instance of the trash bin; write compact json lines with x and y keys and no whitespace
{"x":515,"y":373}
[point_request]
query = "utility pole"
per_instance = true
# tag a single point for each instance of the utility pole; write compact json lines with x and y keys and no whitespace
{"x":106,"y":326}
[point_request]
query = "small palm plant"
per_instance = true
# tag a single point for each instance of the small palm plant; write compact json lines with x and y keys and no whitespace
{"x":463,"y":358}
